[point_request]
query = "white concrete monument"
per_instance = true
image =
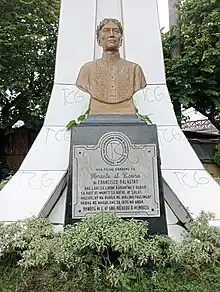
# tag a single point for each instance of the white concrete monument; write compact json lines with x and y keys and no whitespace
{"x":39,"y":187}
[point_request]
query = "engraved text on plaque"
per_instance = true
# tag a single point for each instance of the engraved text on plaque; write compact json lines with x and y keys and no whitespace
{"x":115,"y":175}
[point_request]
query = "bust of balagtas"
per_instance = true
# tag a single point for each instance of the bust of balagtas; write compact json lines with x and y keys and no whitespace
{"x":111,"y":81}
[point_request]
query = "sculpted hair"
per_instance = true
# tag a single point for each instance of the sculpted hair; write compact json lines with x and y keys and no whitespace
{"x":104,"y":22}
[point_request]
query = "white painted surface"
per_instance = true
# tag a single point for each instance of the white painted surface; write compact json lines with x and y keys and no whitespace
{"x":154,"y":101}
{"x":109,"y":10}
{"x":27,"y":193}
{"x":175,"y":150}
{"x":67,"y":103}
{"x":76,"y":38}
{"x":176,"y":231}
{"x":57,"y":214}
{"x":171,"y":218}
{"x":195,"y":189}
{"x":49,"y":151}
{"x":114,"y":11}
{"x":142,"y":38}
{"x":174,"y":207}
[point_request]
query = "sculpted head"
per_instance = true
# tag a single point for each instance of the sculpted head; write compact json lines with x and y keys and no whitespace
{"x":109,"y":34}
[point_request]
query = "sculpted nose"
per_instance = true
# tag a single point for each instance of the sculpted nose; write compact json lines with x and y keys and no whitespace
{"x":111,"y":32}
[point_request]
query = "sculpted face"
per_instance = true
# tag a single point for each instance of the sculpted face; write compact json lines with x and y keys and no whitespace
{"x":110,"y":37}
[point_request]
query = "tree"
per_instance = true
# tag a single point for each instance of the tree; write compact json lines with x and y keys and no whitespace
{"x":194,"y":74}
{"x":28,"y":33}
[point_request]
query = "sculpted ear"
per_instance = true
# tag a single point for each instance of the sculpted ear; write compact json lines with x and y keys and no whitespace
{"x":99,"y":42}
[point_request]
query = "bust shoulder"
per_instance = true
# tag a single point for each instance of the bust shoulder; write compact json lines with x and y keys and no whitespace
{"x":87,"y":65}
{"x":131,"y":64}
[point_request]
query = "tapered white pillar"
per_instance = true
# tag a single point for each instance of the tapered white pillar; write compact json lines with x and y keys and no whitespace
{"x":36,"y":187}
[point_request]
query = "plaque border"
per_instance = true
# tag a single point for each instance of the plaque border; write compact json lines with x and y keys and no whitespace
{"x":123,"y":214}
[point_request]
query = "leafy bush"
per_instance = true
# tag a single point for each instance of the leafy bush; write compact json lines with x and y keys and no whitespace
{"x":4,"y":171}
{"x":106,"y":253}
{"x":217,"y":155}
{"x":217,"y":179}
{"x":4,"y":182}
{"x":5,"y":174}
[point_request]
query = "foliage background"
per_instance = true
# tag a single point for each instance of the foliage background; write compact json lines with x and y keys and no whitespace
{"x":217,"y":155}
{"x":28,"y":33}
{"x":193,"y":72}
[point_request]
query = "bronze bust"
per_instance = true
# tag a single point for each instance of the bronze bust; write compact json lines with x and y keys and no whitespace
{"x":111,"y":80}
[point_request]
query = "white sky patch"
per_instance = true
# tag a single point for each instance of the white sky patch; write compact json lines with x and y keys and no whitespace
{"x":163,"y":14}
{"x":18,"y":124}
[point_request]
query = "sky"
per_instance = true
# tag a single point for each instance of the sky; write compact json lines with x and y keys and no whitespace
{"x":163,"y":13}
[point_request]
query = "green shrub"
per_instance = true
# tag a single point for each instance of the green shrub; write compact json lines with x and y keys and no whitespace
{"x":4,"y":170}
{"x":217,"y":179}
{"x":217,"y":155}
{"x":106,"y":253}
{"x":4,"y":182}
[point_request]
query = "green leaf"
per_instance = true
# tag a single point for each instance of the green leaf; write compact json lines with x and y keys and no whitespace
{"x":145,"y":118}
{"x":132,"y":277}
{"x":71,"y":124}
{"x":128,"y":288}
{"x":87,"y":112}
{"x":81,"y":118}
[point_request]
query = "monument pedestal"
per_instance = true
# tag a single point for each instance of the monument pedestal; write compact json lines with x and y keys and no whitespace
{"x":115,"y":167}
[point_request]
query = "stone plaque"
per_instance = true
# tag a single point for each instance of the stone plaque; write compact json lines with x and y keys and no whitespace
{"x":115,"y":175}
